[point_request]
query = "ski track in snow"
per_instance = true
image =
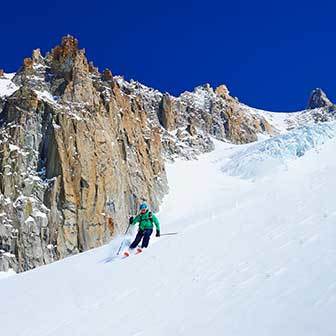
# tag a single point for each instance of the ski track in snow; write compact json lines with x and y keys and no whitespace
{"x":252,"y":257}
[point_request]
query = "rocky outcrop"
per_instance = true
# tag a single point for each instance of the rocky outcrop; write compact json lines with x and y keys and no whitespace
{"x":166,"y":113}
{"x":81,"y":149}
{"x":2,"y":72}
{"x":318,"y":99}
{"x":107,"y":75}
{"x":77,"y":158}
{"x":217,"y":114}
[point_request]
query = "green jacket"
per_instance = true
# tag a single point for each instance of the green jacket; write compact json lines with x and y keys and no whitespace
{"x":145,"y":222}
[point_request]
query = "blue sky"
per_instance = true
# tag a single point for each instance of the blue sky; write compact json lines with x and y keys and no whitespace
{"x":270,"y":54}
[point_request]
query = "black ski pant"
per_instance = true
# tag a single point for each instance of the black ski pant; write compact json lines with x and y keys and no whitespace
{"x":144,"y":235}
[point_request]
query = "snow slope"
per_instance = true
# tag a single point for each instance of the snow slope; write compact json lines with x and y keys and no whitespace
{"x":252,"y":257}
{"x":284,"y":121}
{"x":7,"y":87}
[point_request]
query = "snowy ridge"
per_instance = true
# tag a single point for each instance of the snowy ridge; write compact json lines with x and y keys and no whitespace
{"x":199,"y":98}
{"x":284,"y":121}
{"x":202,"y":97}
{"x":137,"y":88}
{"x":264,"y":157}
{"x":277,"y":119}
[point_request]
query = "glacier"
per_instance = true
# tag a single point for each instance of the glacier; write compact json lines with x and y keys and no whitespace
{"x":261,"y":158}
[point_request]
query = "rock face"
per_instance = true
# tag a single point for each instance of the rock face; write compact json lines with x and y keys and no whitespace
{"x":166,"y":113}
{"x":318,"y":99}
{"x":80,"y":150}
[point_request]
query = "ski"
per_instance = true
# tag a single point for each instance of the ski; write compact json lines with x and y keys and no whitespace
{"x":128,"y":253}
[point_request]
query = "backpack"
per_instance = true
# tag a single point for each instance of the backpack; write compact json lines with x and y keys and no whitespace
{"x":150,"y":216}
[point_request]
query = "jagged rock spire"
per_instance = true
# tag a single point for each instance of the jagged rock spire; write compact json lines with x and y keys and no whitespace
{"x":223,"y":91}
{"x":107,"y":75}
{"x":318,"y":99}
{"x":63,"y":57}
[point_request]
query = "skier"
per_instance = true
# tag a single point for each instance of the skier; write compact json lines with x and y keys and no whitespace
{"x":146,"y":219}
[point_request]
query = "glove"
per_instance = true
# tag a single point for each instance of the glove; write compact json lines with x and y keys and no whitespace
{"x":157,"y":233}
{"x":131,"y":220}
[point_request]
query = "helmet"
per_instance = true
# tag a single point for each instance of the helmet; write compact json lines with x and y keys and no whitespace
{"x":143,"y":206}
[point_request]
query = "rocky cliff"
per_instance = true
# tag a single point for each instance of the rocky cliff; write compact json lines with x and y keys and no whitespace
{"x":80,"y":149}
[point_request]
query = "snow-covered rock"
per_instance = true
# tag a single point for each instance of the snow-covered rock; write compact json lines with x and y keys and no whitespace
{"x":7,"y":87}
{"x":318,"y":99}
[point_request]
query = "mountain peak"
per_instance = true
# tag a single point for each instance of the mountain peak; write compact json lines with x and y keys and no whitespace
{"x":67,"y":49}
{"x":69,"y":43}
{"x":222,"y":91}
{"x":318,"y":98}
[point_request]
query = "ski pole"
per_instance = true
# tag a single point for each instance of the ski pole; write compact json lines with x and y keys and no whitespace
{"x":122,"y":243}
{"x":168,"y":234}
